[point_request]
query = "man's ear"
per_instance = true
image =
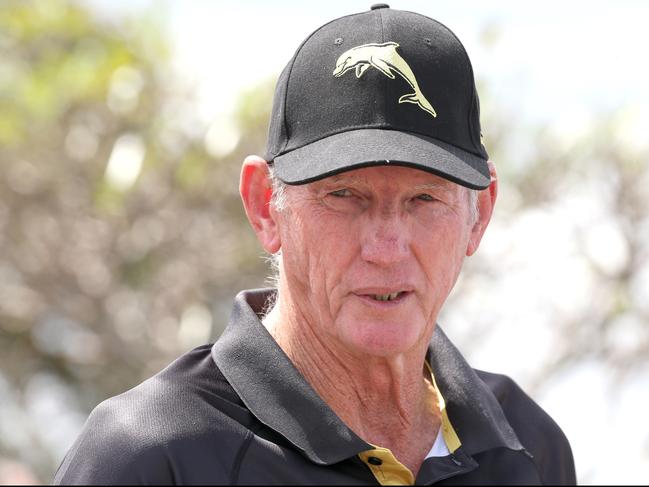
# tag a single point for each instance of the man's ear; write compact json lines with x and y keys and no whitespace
{"x":256,"y":192}
{"x":486,"y":202}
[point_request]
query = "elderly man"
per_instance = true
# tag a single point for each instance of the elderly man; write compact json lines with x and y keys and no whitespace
{"x":375,"y":187}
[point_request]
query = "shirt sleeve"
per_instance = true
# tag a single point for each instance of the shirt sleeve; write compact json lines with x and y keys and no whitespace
{"x":113,"y":450}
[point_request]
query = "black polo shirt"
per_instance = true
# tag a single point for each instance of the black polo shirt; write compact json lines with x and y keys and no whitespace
{"x":239,"y":412}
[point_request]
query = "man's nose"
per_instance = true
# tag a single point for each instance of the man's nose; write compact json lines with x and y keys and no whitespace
{"x":385,"y":239}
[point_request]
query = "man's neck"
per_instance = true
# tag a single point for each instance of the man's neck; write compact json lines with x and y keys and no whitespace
{"x":385,"y":400}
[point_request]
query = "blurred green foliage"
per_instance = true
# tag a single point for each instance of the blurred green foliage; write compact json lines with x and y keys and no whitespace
{"x":98,"y":269}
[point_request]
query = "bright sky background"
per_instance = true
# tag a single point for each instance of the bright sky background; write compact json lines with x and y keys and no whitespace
{"x":554,"y":59}
{"x":563,"y":63}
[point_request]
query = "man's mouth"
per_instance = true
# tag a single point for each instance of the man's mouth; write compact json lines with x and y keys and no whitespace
{"x":386,"y":297}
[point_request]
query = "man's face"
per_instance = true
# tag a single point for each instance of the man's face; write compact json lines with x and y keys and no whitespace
{"x":370,"y":255}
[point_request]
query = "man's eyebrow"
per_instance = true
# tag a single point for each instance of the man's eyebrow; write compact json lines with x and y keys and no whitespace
{"x":346,"y":178}
{"x":436,"y":185}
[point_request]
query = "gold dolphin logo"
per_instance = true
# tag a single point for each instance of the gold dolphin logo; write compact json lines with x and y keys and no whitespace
{"x":387,"y":60}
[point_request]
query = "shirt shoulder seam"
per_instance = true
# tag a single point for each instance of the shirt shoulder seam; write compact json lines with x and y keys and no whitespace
{"x":238,"y":460}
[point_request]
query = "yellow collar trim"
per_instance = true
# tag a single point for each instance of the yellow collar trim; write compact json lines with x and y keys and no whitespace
{"x":386,"y":468}
{"x":384,"y":465}
{"x":450,"y":436}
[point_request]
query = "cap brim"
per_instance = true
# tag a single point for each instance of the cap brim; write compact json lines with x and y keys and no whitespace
{"x":376,"y":147}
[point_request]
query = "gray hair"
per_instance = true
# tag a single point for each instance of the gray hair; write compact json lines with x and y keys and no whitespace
{"x":473,"y":205}
{"x":278,"y":201}
{"x":278,"y":186}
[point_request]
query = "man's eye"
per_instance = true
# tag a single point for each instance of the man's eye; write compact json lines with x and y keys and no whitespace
{"x":425,"y":197}
{"x":341,"y":193}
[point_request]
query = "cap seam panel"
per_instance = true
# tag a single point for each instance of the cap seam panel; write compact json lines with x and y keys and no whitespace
{"x":288,"y":76}
{"x":468,"y":61}
{"x":472,"y":88}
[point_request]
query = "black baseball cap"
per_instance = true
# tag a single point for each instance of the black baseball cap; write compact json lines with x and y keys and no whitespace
{"x":383,"y":87}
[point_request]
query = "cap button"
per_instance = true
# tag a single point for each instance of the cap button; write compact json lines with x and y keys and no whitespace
{"x":379,"y":5}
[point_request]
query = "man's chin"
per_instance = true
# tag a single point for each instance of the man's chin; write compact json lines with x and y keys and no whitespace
{"x":381,"y":337}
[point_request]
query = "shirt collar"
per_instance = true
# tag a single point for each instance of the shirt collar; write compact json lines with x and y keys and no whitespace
{"x":278,"y":395}
{"x":274,"y":391}
{"x":474,"y":411}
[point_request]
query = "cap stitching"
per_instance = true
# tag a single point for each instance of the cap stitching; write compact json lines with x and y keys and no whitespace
{"x":384,"y":82}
